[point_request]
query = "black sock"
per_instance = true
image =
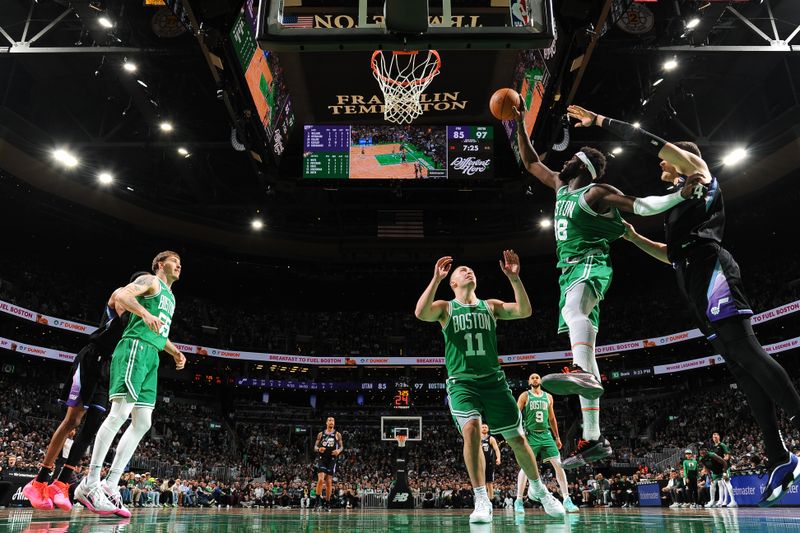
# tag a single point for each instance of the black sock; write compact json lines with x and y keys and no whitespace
{"x":44,"y":474}
{"x":66,"y":474}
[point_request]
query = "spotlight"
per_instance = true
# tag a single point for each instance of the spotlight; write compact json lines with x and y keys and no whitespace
{"x":658,"y":82}
{"x":257,"y":224}
{"x":545,"y":223}
{"x":105,"y":178}
{"x":183,"y":151}
{"x":692,"y":23}
{"x":166,"y":126}
{"x":644,"y":102}
{"x":734,"y":156}
{"x":105,"y":22}
{"x":143,"y":84}
{"x":65,"y":158}
{"x":129,"y":67}
{"x":637,"y":124}
{"x":670,"y":64}
{"x":617,"y":150}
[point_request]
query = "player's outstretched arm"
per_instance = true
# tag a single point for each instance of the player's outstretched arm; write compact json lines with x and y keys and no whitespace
{"x":521,"y":307}
{"x":686,"y":163}
{"x":529,"y":156}
{"x":180,"y":359}
{"x":427,"y":309}
{"x":608,"y":195}
{"x":522,"y":401}
{"x":141,"y":286}
{"x":655,"y":249}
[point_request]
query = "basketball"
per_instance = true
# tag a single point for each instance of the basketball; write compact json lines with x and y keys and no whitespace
{"x":502,"y":103}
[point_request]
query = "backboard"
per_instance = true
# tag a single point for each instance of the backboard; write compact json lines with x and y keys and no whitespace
{"x":348,"y":25}
{"x":391,"y":426}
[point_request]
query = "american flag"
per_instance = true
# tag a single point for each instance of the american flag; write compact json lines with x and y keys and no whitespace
{"x":406,"y":224}
{"x":293,"y":21}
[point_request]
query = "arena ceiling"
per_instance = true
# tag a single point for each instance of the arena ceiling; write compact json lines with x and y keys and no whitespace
{"x":63,"y":83}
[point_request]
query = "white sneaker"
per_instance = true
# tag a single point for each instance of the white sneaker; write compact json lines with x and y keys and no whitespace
{"x":732,"y":505}
{"x":674,"y":505}
{"x":116,"y":498}
{"x":94,"y":498}
{"x":482,"y":513}
{"x":709,"y":505}
{"x":551,"y":505}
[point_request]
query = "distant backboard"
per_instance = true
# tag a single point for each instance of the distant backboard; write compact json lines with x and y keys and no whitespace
{"x":347,"y":25}
{"x":410,"y":426}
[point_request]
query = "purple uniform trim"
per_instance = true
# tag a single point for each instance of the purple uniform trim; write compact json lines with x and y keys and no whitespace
{"x":74,"y":399}
{"x":721,"y":303}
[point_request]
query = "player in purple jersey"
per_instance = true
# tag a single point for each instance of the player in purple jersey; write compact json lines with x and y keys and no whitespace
{"x":710,"y":282}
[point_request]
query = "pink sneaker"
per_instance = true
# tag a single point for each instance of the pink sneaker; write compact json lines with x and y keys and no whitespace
{"x":36,"y":492}
{"x":58,"y":491}
{"x":116,"y":498}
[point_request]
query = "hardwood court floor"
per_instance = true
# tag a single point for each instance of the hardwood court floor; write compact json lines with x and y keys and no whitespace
{"x":742,"y":520}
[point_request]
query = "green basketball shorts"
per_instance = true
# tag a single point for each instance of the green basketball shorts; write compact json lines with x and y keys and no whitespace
{"x":134,"y":372}
{"x":543,"y":445}
{"x":593,"y":270}
{"x":488,"y":399}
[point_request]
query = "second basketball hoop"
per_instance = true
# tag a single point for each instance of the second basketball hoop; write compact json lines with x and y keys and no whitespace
{"x":403,"y":76}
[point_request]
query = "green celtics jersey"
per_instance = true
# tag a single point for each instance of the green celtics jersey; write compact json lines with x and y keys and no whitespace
{"x":710,"y":464}
{"x":537,"y":412}
{"x":470,"y":340}
{"x":689,"y":467}
{"x":579,"y":229}
{"x":721,"y":449}
{"x":161,"y":305}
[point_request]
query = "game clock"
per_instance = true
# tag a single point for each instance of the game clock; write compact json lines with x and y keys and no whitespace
{"x":470,"y":151}
{"x":402,"y":398}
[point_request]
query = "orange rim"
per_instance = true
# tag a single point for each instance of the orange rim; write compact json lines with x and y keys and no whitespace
{"x":405,"y":53}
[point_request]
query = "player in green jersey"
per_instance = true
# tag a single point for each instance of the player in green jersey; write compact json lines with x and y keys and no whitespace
{"x":690,"y":478}
{"x":586,"y":222}
{"x":477,"y":389}
{"x":726,"y":498}
{"x":133,"y":380}
{"x":714,"y":466}
{"x":539,"y":419}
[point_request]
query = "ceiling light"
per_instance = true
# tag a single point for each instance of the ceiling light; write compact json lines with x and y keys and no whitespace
{"x":644,"y":102}
{"x":692,"y":22}
{"x":657,"y":82}
{"x":637,"y":124}
{"x":166,"y":126}
{"x":143,"y":84}
{"x":65,"y":158}
{"x":183,"y":151}
{"x":105,"y":22}
{"x":670,"y":64}
{"x":105,"y":178}
{"x":130,"y":67}
{"x":734,"y":156}
{"x":257,"y":224}
{"x":617,"y":150}
{"x":545,"y":223}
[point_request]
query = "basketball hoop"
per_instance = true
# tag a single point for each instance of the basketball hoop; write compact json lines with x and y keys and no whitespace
{"x":401,"y":440}
{"x":403,"y":77}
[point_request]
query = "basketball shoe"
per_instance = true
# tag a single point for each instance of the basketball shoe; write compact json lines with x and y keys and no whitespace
{"x":551,"y":505}
{"x":36,"y":492}
{"x":781,"y":478}
{"x":116,"y":498}
{"x":587,"y":452}
{"x":573,"y":380}
{"x":58,"y":491}
{"x":569,"y":506}
{"x":519,"y":506}
{"x":482,"y":513}
{"x":94,"y":498}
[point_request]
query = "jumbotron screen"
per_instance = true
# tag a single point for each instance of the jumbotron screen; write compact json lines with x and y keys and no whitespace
{"x":398,"y":152}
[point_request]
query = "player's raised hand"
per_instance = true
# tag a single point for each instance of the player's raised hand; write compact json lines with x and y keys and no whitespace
{"x":510,"y":263}
{"x":584,"y":117}
{"x":519,"y":114}
{"x":442,"y":269}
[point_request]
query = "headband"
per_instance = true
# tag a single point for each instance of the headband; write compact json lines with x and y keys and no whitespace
{"x":583,"y":157}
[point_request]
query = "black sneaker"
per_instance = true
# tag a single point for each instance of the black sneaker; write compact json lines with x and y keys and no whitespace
{"x":573,"y":380}
{"x":587,"y":452}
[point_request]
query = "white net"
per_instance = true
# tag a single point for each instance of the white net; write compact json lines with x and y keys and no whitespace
{"x":403,"y":77}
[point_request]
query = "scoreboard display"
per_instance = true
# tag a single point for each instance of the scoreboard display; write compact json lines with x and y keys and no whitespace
{"x":395,"y":152}
{"x":402,"y":398}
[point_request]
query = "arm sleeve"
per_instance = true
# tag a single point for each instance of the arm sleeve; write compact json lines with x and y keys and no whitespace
{"x":649,"y":142}
{"x":653,"y":205}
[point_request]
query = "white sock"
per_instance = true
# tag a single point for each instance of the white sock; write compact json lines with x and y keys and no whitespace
{"x":522,"y":481}
{"x":729,"y":486}
{"x":579,"y":302}
{"x":481,"y":494}
{"x":140,"y":424}
{"x":537,"y":485}
{"x":120,"y":410}
{"x":713,"y":497}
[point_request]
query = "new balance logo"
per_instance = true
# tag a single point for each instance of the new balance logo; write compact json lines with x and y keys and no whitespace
{"x":400,"y":497}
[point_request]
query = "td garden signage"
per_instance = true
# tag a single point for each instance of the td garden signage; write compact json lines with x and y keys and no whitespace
{"x":346,"y":21}
{"x":356,"y":104}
